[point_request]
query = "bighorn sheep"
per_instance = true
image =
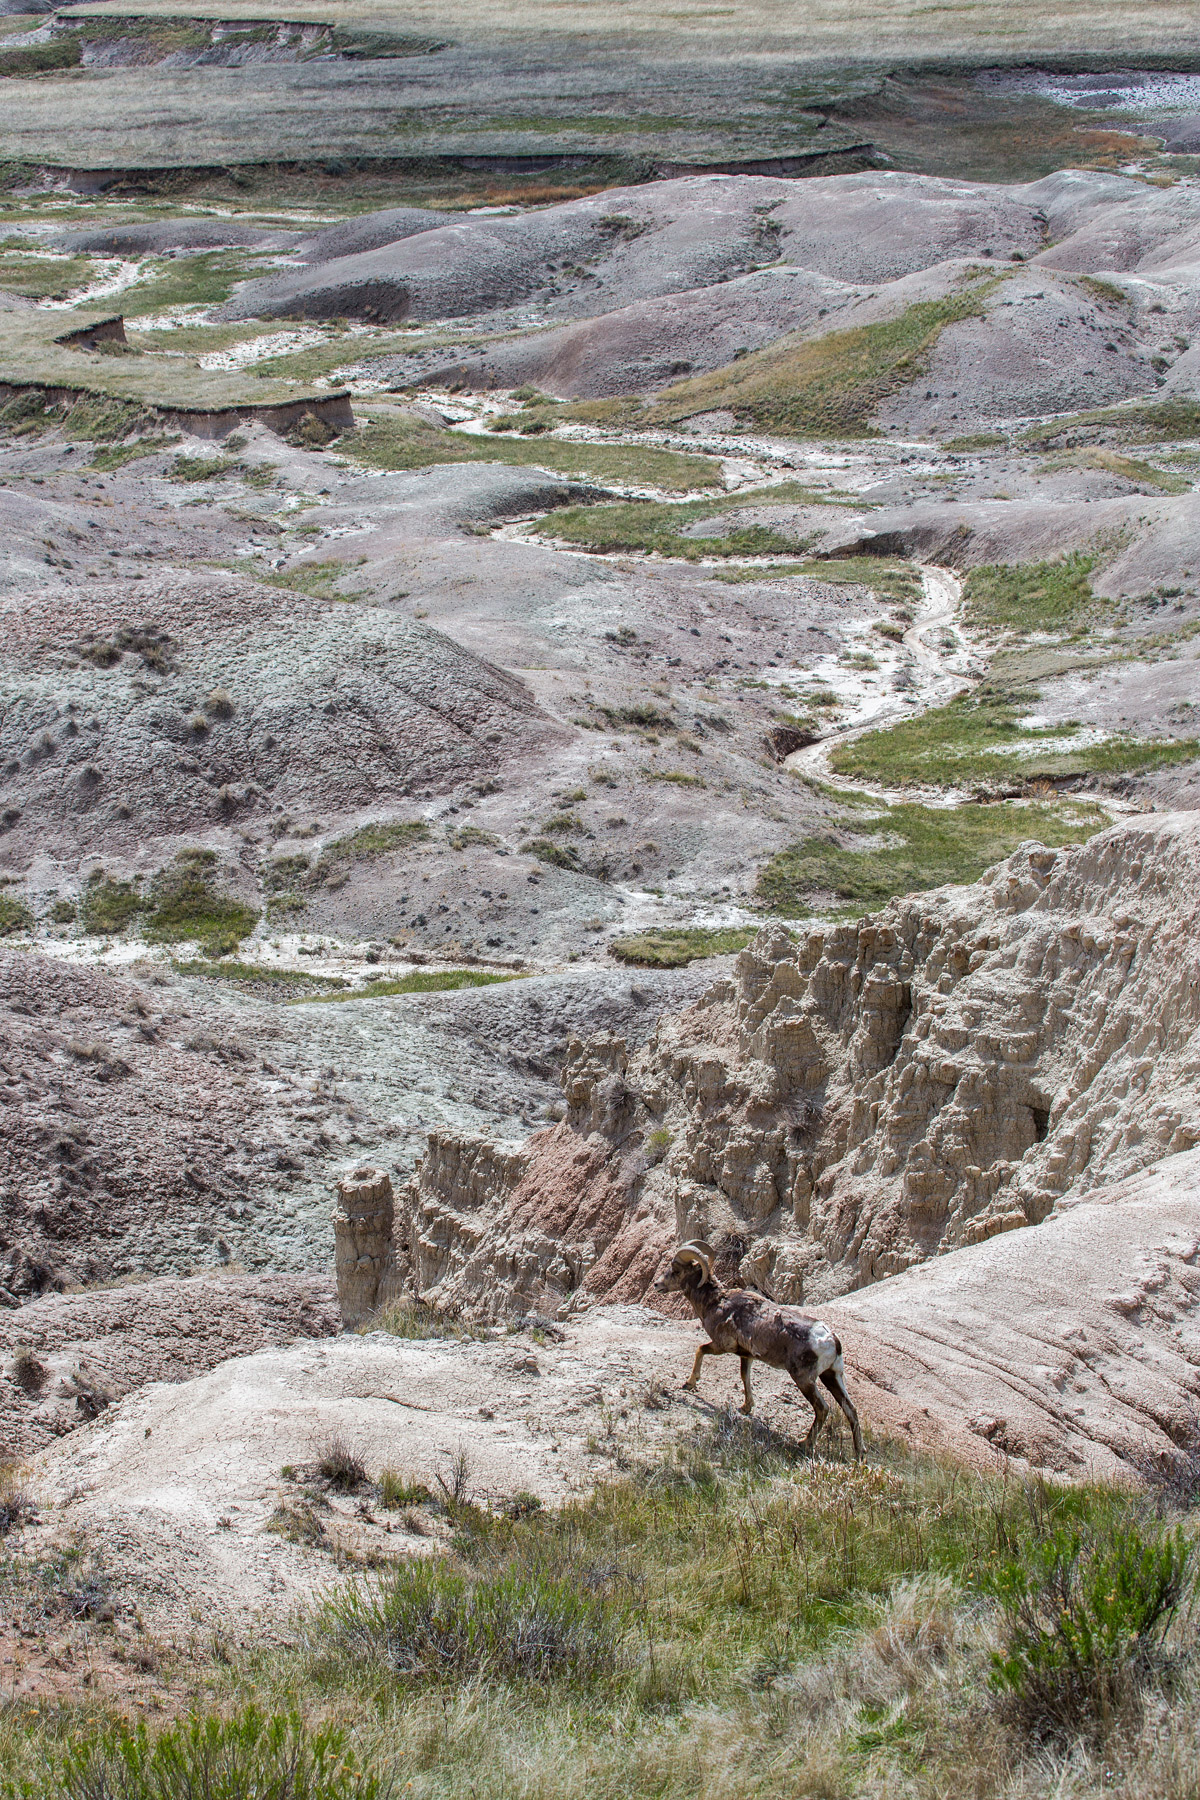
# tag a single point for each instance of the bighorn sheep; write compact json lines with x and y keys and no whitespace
{"x":760,"y":1330}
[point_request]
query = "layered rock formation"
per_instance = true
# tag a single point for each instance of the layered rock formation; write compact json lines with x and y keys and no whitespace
{"x":841,"y":1107}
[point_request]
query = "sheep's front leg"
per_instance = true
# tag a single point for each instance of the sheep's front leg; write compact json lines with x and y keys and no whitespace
{"x":691,"y":1383}
{"x":749,"y":1405}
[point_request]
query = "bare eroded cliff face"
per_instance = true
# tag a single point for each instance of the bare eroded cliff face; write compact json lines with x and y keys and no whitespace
{"x":854,"y":1101}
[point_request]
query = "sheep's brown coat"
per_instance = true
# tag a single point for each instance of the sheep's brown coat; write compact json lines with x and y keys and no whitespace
{"x":756,"y":1329}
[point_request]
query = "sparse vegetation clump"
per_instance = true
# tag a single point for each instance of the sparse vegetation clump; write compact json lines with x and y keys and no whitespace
{"x":426,"y":1622}
{"x":726,"y":1604}
{"x":377,"y":839}
{"x":672,"y":948}
{"x":905,"y":849}
{"x":108,"y":906}
{"x":1086,"y":1607}
{"x":409,"y":1317}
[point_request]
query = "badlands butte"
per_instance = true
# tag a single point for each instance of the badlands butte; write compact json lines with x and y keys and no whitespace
{"x":574,"y":678}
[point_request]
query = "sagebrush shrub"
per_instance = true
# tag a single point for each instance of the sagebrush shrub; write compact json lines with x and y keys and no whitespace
{"x":1084,"y":1613}
{"x":424,"y":1620}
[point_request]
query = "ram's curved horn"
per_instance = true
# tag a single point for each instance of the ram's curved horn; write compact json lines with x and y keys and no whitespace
{"x":696,"y":1252}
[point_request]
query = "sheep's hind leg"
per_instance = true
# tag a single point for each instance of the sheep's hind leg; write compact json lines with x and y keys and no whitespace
{"x":835,"y":1382}
{"x":820,"y":1406}
{"x":748,"y":1407}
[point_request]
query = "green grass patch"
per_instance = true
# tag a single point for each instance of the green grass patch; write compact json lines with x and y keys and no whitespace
{"x":319,"y":580}
{"x":44,"y":277}
{"x":824,"y":387}
{"x":917,"y":847}
{"x":185,"y":904}
{"x":14,"y":915}
{"x":672,"y":948}
{"x":98,"y":418}
{"x":677,"y":777}
{"x":115,"y":456}
{"x":1129,"y":468}
{"x":975,"y":440}
{"x":559,"y":856}
{"x":38,"y":59}
{"x":890,"y":580}
{"x":1028,"y":597}
{"x":1107,"y":292}
{"x":256,"y":975}
{"x":107,"y":907}
{"x":243,"y":1757}
{"x":978,"y":739}
{"x":401,"y":444}
{"x":721,"y":1617}
{"x":203,"y":468}
{"x":204,"y":280}
{"x":1147,"y":422}
{"x":377,"y":839}
{"x":656,"y":526}
{"x":421,"y":981}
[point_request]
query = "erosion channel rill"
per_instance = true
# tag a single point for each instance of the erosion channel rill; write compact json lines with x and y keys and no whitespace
{"x":599,"y":901}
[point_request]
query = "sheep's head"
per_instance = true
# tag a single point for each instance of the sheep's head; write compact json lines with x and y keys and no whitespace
{"x":691,"y":1267}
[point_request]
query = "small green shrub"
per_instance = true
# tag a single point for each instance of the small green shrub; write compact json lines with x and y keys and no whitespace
{"x":559,"y":856}
{"x":677,"y":777}
{"x":427,"y":1622}
{"x":1083,"y":1613}
{"x":247,"y":1757}
{"x":202,"y":468}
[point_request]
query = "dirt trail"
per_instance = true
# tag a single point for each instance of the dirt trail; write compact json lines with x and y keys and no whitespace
{"x":938,"y":671}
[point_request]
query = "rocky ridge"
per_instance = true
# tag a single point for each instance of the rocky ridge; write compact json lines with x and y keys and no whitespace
{"x":843,"y":1107}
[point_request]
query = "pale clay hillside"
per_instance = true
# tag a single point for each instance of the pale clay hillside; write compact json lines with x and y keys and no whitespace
{"x":599,"y":747}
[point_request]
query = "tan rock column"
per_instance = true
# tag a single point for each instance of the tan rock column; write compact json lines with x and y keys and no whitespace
{"x":362,"y":1230}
